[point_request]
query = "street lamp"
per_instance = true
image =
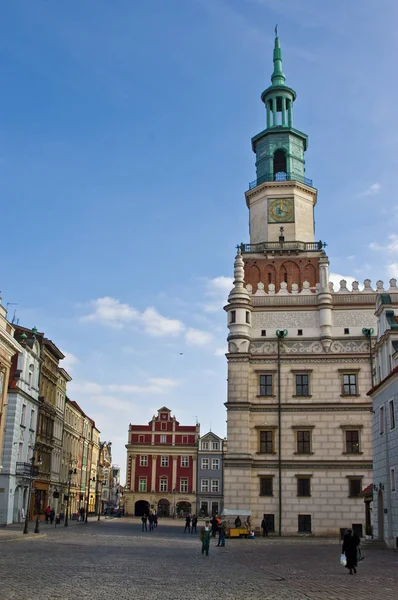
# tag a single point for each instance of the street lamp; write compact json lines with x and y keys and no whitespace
{"x":368,"y":332}
{"x":31,"y":476}
{"x":70,"y":473}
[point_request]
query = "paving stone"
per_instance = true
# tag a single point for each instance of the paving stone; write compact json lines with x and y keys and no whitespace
{"x":114,"y":559}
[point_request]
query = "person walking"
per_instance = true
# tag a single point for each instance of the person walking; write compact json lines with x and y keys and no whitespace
{"x":221,"y":534}
{"x":82,"y":513}
{"x":47,"y":514}
{"x":188,"y":523}
{"x":264,"y":527}
{"x":350,"y":549}
{"x":205,"y":534}
{"x":144,"y":519}
{"x":151,"y":519}
{"x":194,"y":523}
{"x":52,"y":515}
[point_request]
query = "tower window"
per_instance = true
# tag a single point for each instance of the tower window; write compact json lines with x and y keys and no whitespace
{"x":233,"y":316}
{"x":269,"y":278}
{"x":285,"y":277}
{"x":263,"y":332}
{"x":346,"y":331}
{"x":279,"y":162}
{"x":299,"y":332}
{"x":247,"y":317}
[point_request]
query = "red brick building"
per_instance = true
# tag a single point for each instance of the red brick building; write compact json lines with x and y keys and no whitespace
{"x":161,"y":466}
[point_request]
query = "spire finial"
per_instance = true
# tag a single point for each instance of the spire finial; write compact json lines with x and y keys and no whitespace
{"x":278,"y":76}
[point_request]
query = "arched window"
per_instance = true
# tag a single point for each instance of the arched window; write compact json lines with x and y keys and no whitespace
{"x":279,"y":163}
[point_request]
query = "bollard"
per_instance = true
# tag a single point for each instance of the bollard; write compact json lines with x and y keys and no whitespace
{"x":37,"y":528}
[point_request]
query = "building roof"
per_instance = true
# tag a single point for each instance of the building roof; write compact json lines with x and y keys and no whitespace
{"x":389,"y":376}
{"x":368,"y":491}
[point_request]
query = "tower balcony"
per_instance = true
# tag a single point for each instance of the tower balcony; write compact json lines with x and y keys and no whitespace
{"x":282,"y":247}
{"x":279,"y":177}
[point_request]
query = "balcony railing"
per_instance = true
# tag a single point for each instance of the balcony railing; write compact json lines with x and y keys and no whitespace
{"x":279,"y":177}
{"x":283,"y":246}
{"x":25,"y":469}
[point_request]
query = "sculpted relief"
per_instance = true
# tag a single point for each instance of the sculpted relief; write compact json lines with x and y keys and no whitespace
{"x":264,"y":320}
{"x":354,"y":318}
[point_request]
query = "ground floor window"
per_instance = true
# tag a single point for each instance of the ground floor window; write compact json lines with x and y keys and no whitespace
{"x":204,"y":508}
{"x":214,"y":508}
{"x":304,"y":523}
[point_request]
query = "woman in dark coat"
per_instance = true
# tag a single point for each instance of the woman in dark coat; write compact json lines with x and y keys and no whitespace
{"x":350,"y":549}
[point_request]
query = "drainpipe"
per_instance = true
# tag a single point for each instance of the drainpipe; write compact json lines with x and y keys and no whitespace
{"x":280,"y":334}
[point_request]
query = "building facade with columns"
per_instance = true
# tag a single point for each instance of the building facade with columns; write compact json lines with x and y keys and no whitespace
{"x":161,"y":466}
{"x":385,"y":421}
{"x":299,"y":419}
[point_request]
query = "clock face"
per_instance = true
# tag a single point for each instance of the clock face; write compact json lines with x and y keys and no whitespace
{"x":281,"y":210}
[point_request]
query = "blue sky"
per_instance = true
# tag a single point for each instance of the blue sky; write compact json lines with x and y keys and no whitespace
{"x":124,"y":156}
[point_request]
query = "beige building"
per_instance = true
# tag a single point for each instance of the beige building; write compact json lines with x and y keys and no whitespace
{"x":299,"y":420}
{"x":72,"y":455}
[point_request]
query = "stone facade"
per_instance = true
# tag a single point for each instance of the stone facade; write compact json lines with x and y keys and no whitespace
{"x":299,"y":367}
{"x":20,"y":429}
{"x":161,"y":466}
{"x":385,"y":422}
{"x":210,"y":475}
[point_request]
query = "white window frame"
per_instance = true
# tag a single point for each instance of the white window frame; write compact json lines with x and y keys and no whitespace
{"x":204,"y":485}
{"x":381,"y":419}
{"x":215,"y":464}
{"x":163,"y":485}
{"x":215,"y":446}
{"x":392,"y":479}
{"x":143,"y":481}
{"x":141,"y":439}
{"x":184,"y":485}
{"x":184,"y":461}
{"x":164,"y":461}
{"x":205,"y":445}
{"x":185,"y":439}
{"x":144,"y":460}
{"x":204,"y":464}
{"x":163,"y":426}
{"x":215,"y":485}
{"x":163,"y":439}
{"x":23,"y":415}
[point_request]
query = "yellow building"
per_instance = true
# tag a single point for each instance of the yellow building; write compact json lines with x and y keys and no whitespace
{"x":72,"y":450}
{"x":95,"y":470}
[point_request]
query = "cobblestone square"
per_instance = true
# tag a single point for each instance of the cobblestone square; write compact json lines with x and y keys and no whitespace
{"x":114,"y":559}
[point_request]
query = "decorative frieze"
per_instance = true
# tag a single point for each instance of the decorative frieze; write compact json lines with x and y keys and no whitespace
{"x":264,"y":320}
{"x":354,"y":318}
{"x":310,"y":347}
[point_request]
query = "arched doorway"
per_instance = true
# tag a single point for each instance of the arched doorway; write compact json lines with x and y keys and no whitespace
{"x":163,"y":508}
{"x":141,"y":507}
{"x":183,"y":508}
{"x":279,"y":164}
{"x":380,"y":515}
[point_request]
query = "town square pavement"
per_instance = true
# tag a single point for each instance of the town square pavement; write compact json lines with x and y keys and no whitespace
{"x":113,"y":559}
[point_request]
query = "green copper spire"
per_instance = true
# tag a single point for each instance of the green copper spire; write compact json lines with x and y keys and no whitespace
{"x":278,"y":76}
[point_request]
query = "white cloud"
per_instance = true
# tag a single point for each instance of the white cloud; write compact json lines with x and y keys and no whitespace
{"x":221,"y":351}
{"x":111,"y":312}
{"x":335,"y":278}
{"x":392,"y":269}
{"x":196,"y":337}
{"x":390,"y":247}
{"x":217,"y":291}
{"x":68,"y":362}
{"x":153,"y":385}
{"x":372,"y":190}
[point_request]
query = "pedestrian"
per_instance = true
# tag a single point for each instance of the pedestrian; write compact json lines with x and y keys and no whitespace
{"x":221,"y":535}
{"x":187,"y":523}
{"x":144,"y":520}
{"x":82,"y":513}
{"x":264,"y":527}
{"x":52,"y":515}
{"x":155,"y":520}
{"x":350,"y":549}
{"x":47,"y":514}
{"x":238,"y":522}
{"x":214,"y":526}
{"x":205,"y":534}
{"x":194,"y":523}
{"x":151,"y":519}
